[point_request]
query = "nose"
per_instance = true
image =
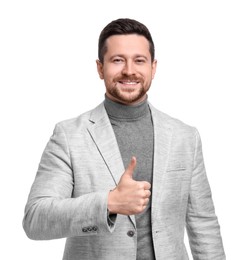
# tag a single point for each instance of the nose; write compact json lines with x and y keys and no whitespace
{"x":128,"y":68}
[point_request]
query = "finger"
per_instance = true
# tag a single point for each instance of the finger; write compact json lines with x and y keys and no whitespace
{"x":147,"y":193}
{"x":131,"y":167}
{"x":146,"y":202}
{"x":146,"y":185}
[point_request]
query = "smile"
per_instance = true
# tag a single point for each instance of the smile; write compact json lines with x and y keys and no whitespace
{"x":129,"y":82}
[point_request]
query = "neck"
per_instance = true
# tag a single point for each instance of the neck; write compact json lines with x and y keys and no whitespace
{"x":126,"y":103}
{"x":126,"y":112}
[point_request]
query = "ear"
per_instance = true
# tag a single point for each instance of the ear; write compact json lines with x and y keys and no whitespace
{"x":100,"y":69}
{"x":154,"y":66}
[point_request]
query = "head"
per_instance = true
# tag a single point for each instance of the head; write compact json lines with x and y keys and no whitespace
{"x":126,"y":60}
{"x":123,"y":27}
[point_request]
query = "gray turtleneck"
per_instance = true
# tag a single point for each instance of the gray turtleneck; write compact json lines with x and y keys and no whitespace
{"x":133,"y":129}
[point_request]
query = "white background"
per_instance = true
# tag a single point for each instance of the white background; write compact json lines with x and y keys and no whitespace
{"x":48,"y":73}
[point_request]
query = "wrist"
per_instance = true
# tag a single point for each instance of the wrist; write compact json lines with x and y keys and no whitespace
{"x":110,"y":203}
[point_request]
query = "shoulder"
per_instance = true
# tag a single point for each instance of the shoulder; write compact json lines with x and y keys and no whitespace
{"x":79,"y":123}
{"x":182,"y":134}
{"x":175,"y":124}
{"x":184,"y":137}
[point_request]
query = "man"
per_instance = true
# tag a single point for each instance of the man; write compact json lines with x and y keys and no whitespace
{"x":124,"y":179}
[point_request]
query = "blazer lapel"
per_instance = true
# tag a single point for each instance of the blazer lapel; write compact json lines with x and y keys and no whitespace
{"x":162,"y":143}
{"x":104,"y":138}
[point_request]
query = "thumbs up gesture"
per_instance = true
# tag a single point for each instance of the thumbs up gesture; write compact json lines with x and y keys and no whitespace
{"x":130,"y":197}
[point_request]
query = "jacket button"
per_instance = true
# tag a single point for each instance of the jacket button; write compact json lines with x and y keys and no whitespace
{"x":130,"y":233}
{"x":95,"y":228}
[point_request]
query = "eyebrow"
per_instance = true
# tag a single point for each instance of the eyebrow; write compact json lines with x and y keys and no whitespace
{"x":123,"y":56}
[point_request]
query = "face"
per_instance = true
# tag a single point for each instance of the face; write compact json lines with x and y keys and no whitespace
{"x":127,"y":69}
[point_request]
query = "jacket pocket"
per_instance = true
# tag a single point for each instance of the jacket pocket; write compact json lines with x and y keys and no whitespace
{"x":176,"y":166}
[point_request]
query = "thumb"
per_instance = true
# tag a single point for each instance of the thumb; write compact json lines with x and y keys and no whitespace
{"x":131,"y":167}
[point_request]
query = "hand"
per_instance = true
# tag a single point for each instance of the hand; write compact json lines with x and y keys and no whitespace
{"x":130,"y":197}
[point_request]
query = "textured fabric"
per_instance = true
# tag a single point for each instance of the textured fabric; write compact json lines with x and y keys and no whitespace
{"x":133,"y":129}
{"x":82,"y":162}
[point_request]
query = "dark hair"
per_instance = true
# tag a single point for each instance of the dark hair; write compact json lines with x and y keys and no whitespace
{"x":123,"y":26}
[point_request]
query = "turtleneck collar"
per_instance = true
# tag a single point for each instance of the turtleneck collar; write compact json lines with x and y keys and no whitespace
{"x":123,"y":112}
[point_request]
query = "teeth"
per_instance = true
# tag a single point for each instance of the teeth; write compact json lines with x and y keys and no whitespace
{"x":129,"y":82}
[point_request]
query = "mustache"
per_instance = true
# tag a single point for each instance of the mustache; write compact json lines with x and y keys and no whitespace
{"x":131,"y":78}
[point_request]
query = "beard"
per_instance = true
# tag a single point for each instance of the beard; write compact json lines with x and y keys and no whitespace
{"x":128,"y":94}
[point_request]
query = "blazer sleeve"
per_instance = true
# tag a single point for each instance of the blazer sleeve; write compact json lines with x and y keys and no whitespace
{"x":51,"y":212}
{"x":201,"y":222}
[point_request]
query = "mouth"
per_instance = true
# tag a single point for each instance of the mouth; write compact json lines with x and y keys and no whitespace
{"x":128,"y":82}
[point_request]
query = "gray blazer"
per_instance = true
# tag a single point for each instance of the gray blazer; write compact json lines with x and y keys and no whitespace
{"x":82,"y":162}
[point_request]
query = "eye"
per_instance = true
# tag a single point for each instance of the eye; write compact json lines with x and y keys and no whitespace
{"x":140,"y":61}
{"x":118,"y":60}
